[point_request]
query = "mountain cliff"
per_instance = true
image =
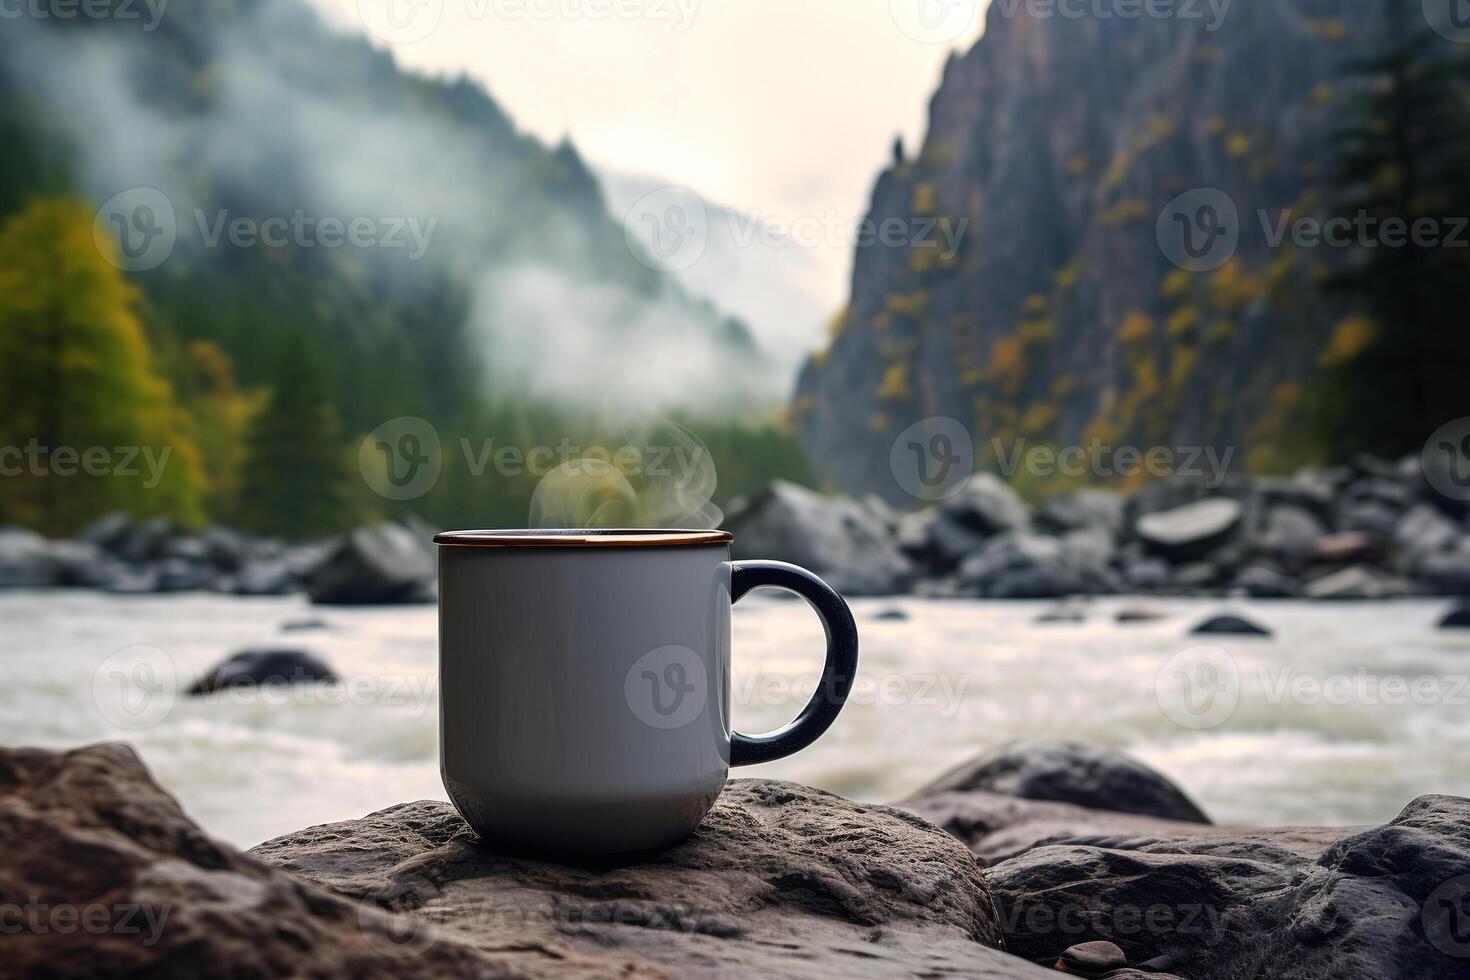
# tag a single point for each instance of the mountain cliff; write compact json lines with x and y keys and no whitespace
{"x":1059,"y":148}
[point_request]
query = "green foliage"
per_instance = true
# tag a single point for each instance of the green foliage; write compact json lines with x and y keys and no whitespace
{"x":295,"y":465}
{"x":77,"y":380}
{"x":1402,"y":152}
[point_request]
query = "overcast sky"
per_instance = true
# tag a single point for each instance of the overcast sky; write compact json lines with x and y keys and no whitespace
{"x":784,"y":108}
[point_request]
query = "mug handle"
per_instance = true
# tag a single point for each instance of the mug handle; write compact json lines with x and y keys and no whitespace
{"x":837,"y":676}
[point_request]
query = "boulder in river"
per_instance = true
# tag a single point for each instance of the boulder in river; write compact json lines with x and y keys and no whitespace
{"x":1081,"y":510}
{"x":1231,"y":625}
{"x":1458,"y":617}
{"x":384,"y":563}
{"x":253,"y":668}
{"x":1190,"y":531}
{"x":838,"y":538}
{"x":1070,"y":772}
{"x":986,"y":506}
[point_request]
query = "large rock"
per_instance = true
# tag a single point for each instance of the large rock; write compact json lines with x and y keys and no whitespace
{"x":1230,"y":625}
{"x":109,"y":878}
{"x":1025,"y":565}
{"x":1081,"y":510}
{"x":1448,"y":572}
{"x":1070,"y":772}
{"x":28,"y":560}
{"x":1192,"y":530}
{"x":385,"y":563}
{"x":836,"y":537}
{"x":1358,"y":582}
{"x":1290,"y":535}
{"x":986,"y":506}
{"x":779,"y":881}
{"x":109,"y":531}
{"x":1288,"y":904}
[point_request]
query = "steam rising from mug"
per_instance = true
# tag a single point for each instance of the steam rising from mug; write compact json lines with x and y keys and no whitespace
{"x":663,"y":478}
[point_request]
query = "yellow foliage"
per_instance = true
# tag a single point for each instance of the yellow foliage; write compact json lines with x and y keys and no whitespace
{"x":1327,"y":28}
{"x":895,"y":384}
{"x":1220,"y":331}
{"x":1349,"y":338}
{"x":1181,"y":321}
{"x":1062,"y":386}
{"x":878,"y":421}
{"x":1238,"y":145}
{"x":1215,"y":125}
{"x":913,"y":304}
{"x":1036,"y":304}
{"x":1077,"y":165}
{"x":1067,"y":275}
{"x":1176,"y":283}
{"x":1038,"y":417}
{"x":1036,"y":331}
{"x":925,"y":198}
{"x":1231,"y":288}
{"x":1136,"y":326}
{"x":1007,"y":365}
{"x":1128,"y":209}
{"x":1322,"y":94}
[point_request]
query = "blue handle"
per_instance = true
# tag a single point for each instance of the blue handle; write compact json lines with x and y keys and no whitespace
{"x":837,"y":676}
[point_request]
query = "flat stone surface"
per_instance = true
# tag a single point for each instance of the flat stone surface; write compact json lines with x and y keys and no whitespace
{"x":779,"y":881}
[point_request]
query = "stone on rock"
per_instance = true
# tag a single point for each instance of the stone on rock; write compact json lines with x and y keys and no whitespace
{"x":780,"y":880}
{"x":836,"y":537}
{"x":385,"y":563}
{"x":1262,"y":581}
{"x":107,"y":532}
{"x":1233,"y":625}
{"x":1070,"y":772}
{"x":1358,"y":582}
{"x":1190,"y":531}
{"x":1348,"y":546}
{"x":1423,"y":531}
{"x":1081,"y":510}
{"x":1092,"y":959}
{"x":1290,"y":535}
{"x":266,"y":577}
{"x":986,"y":506}
{"x":258,"y":668}
{"x":1291,"y":904}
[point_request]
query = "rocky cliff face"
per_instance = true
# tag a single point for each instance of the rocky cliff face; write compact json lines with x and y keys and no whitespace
{"x":1055,"y":145}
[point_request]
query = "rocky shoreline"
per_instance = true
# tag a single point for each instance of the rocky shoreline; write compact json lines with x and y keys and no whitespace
{"x":1036,"y":858}
{"x":1372,"y":530}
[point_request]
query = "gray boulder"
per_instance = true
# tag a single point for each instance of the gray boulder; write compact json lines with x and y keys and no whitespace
{"x":148,"y":541}
{"x":27,"y":560}
{"x":1261,"y":580}
{"x":986,"y":506}
{"x":1022,"y":565}
{"x":1190,"y":531}
{"x":779,"y":881}
{"x":1448,"y":572}
{"x":1358,"y":582}
{"x":1070,"y":772}
{"x":1082,"y":510}
{"x":1289,"y":535}
{"x":266,"y":577}
{"x":1291,"y":904}
{"x":836,"y":537}
{"x":385,"y":563}
{"x":1458,"y":617}
{"x":1422,"y":532}
{"x":107,"y":532}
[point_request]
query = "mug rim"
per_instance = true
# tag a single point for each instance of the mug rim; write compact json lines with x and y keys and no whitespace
{"x":610,"y":537}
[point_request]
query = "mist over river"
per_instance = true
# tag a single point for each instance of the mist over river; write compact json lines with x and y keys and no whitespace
{"x":1345,"y":714}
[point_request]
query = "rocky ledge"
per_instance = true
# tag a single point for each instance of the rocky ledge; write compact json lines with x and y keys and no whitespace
{"x":781,"y":880}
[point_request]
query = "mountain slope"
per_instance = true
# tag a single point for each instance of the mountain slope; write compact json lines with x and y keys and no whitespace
{"x":1057,"y":143}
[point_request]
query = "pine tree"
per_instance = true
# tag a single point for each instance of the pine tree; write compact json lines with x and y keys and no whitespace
{"x":295,"y":461}
{"x":1403,"y":154}
{"x":78,"y":385}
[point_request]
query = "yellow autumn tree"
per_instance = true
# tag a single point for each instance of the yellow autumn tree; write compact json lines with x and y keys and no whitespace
{"x":87,"y":425}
